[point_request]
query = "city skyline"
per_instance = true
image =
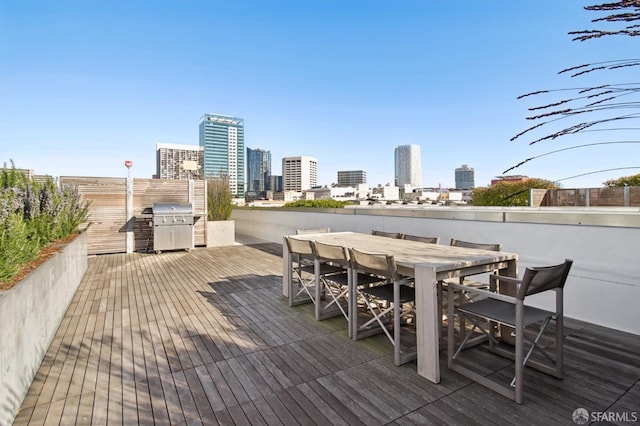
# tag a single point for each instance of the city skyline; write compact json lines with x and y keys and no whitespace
{"x":175,"y":161}
{"x":86,"y":86}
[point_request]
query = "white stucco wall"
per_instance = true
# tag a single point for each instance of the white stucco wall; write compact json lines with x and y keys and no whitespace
{"x":604,"y":284}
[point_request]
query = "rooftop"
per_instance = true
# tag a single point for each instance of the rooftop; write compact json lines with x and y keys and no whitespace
{"x":206,"y":337}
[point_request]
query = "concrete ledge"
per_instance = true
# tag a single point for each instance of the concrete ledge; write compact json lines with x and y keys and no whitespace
{"x":30,"y":314}
{"x":625,"y":217}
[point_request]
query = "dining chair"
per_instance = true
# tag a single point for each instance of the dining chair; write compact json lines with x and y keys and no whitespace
{"x":333,"y":287}
{"x":511,"y":311}
{"x":386,"y":234}
{"x":428,"y":240}
{"x":442,"y":285}
{"x":313,"y":231}
{"x":481,"y":246}
{"x":333,"y":272}
{"x":388,"y":306}
{"x":303,"y":271}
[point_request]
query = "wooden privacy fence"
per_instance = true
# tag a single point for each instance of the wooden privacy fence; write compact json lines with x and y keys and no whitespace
{"x":624,"y":196}
{"x":121,"y":227}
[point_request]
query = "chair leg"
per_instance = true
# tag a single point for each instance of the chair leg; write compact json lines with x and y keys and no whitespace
{"x":335,"y":300}
{"x":559,"y":317}
{"x":377,"y":318}
{"x":519,"y":358}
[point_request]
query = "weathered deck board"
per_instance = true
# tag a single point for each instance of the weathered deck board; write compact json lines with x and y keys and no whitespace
{"x":205,"y":337}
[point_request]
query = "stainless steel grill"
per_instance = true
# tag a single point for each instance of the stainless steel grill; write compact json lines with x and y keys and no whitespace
{"x":172,"y":226}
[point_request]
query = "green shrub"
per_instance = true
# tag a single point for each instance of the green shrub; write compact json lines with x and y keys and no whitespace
{"x":323,"y":204}
{"x":16,"y":248}
{"x":509,"y":193}
{"x":33,"y":214}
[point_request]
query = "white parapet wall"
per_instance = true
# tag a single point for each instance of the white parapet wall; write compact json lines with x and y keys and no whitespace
{"x":604,"y":284}
{"x":30,"y":314}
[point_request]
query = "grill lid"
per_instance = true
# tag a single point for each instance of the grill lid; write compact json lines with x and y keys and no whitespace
{"x":172,"y":209}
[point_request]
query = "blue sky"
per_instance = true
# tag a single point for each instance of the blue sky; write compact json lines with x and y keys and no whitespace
{"x":86,"y":85}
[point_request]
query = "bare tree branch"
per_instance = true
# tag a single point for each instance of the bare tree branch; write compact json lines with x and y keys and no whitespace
{"x":587,"y":101}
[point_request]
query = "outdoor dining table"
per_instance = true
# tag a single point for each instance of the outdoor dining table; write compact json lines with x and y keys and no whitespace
{"x":428,"y":264}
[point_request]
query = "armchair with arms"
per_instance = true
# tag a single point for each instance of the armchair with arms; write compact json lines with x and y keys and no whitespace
{"x":511,"y":311}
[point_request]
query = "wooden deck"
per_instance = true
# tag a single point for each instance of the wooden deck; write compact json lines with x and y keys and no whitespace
{"x":206,"y":337}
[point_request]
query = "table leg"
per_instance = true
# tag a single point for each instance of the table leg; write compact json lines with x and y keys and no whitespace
{"x":427,"y":323}
{"x":286,"y":269}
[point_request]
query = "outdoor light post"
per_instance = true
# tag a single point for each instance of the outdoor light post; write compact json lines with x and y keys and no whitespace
{"x":130,"y":241}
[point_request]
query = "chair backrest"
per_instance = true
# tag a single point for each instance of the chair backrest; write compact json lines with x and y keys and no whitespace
{"x":386,"y":234}
{"x":312,"y":231}
{"x":543,"y":278}
{"x":481,"y":246}
{"x":298,"y":246}
{"x":330,"y":253}
{"x":374,"y":263}
{"x":429,"y":240}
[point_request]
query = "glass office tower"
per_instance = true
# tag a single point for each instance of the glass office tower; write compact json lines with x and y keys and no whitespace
{"x":408,"y":166}
{"x":222,"y":137}
{"x":465,"y":177}
{"x":258,"y":173}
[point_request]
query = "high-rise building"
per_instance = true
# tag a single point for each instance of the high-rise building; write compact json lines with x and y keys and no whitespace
{"x":175,"y":161}
{"x":351,"y":177}
{"x":465,"y":178}
{"x":408,"y":166}
{"x":299,"y":173}
{"x":275,"y":183}
{"x":222,"y":137}
{"x":258,"y":173}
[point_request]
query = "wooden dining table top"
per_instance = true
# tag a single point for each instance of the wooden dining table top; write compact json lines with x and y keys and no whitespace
{"x":408,"y":253}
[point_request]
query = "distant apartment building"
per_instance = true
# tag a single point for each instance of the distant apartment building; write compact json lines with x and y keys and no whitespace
{"x":299,"y":173}
{"x":222,"y":138}
{"x":351,"y":177}
{"x":465,"y":178}
{"x":386,"y":192}
{"x":258,"y":173}
{"x":408,"y":166}
{"x":174,"y":161}
{"x":339,"y":193}
{"x":288,"y":196}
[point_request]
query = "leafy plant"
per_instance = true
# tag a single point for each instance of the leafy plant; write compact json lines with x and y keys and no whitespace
{"x":624,"y":181}
{"x":33,"y":213}
{"x":219,"y":198}
{"x":509,"y":193}
{"x":16,"y":248}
